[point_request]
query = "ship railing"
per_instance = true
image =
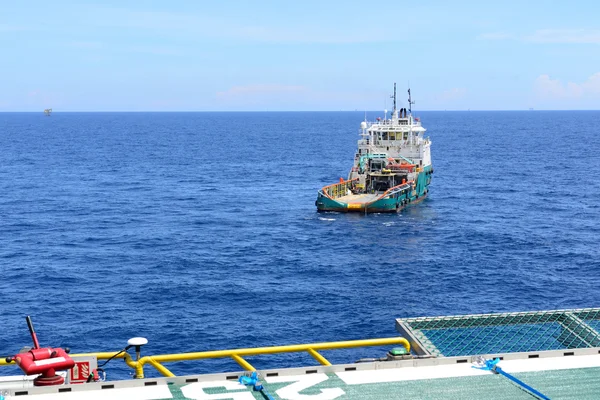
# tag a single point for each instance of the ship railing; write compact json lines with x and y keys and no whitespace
{"x":337,"y":190}
{"x":238,"y":354}
{"x":390,"y":122}
{"x":395,"y":189}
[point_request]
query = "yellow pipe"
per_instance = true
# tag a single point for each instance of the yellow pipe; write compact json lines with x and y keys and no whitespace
{"x":322,"y":360}
{"x":281,"y":349}
{"x":160,"y":368}
{"x":245,"y":364}
{"x":237,"y":354}
{"x":139,"y":369}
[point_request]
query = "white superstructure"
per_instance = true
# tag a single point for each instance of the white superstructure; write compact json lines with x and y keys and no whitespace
{"x":399,"y":138}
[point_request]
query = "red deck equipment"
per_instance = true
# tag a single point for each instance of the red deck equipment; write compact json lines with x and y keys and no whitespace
{"x":43,"y":361}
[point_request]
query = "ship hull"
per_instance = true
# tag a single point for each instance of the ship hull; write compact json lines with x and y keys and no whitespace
{"x":381,"y":206}
{"x":386,"y":203}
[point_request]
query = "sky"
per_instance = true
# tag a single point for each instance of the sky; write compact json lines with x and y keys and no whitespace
{"x":325,"y":55}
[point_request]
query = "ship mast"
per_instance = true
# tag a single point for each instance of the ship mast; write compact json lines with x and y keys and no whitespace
{"x":410,"y":102}
{"x":394,"y":97}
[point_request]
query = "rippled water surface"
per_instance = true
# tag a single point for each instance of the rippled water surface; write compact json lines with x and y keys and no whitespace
{"x":199,"y":230}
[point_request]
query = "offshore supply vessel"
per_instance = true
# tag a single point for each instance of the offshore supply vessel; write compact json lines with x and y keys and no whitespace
{"x":392,"y":166}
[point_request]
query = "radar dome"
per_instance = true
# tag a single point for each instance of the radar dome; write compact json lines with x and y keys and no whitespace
{"x":363,"y":125}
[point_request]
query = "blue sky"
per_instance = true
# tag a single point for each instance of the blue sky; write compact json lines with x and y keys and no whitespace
{"x":303,"y":55}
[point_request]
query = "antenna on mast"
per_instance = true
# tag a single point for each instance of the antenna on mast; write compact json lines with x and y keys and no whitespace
{"x":394,"y":97}
{"x":410,"y":102}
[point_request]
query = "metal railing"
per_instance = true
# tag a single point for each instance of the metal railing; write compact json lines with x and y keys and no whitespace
{"x":395,"y":189}
{"x":238,"y":354}
{"x":339,"y":189}
{"x":461,"y":335}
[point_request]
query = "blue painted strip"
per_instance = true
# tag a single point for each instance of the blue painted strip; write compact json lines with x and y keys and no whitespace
{"x":521,"y":383}
{"x":492,"y":365}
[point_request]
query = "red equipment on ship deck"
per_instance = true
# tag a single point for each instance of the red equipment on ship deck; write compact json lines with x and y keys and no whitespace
{"x":409,"y":167}
{"x":44,"y":361}
{"x":398,"y":164}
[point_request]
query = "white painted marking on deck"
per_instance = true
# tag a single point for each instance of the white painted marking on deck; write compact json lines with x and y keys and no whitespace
{"x":409,"y":374}
{"x":550,"y":364}
{"x":196,"y":391}
{"x":136,"y":393}
{"x":460,"y":370}
{"x":291,"y":392}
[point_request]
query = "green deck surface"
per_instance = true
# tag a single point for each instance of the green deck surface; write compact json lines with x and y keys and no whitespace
{"x":580,"y":384}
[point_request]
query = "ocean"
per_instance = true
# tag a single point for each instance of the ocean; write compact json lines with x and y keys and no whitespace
{"x":199,"y":230}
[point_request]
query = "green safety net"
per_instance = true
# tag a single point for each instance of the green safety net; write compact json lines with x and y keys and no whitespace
{"x":464,"y":335}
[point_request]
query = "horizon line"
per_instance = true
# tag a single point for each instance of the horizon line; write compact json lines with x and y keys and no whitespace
{"x":284,"y":111}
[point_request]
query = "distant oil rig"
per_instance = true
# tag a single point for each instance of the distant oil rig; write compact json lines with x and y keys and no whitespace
{"x":48,"y":112}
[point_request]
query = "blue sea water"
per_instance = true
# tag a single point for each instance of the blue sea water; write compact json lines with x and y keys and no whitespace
{"x":199,"y":230}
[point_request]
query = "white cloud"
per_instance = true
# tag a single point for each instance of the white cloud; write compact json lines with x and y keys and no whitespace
{"x":152,"y":49}
{"x":86,"y":45}
{"x":197,"y":26}
{"x":495,"y":36}
{"x":548,"y":88}
{"x":253,"y":97}
{"x":259,"y":89}
{"x":564,"y":36}
{"x":451,"y":95}
{"x":586,"y":36}
{"x":13,"y":28}
{"x":156,"y":50}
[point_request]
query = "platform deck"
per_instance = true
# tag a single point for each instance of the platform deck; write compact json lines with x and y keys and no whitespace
{"x":556,"y":374}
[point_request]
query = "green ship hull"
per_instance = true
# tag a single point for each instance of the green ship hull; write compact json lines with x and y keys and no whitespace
{"x":332,"y":198}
